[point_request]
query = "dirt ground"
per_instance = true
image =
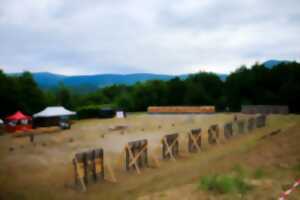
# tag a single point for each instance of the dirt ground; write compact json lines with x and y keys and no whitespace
{"x":43,"y":169}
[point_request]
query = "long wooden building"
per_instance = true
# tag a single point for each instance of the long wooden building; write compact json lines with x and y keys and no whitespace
{"x":265,"y":109}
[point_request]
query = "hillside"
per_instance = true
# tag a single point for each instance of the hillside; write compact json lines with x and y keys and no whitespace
{"x":272,"y":63}
{"x":48,"y":80}
{"x":88,"y":83}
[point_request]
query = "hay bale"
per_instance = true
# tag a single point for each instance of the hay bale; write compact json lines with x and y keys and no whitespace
{"x":181,"y":109}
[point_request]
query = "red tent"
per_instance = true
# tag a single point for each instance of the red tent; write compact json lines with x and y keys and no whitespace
{"x":18,"y":122}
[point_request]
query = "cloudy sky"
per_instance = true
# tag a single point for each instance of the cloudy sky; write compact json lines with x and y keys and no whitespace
{"x":130,"y":36}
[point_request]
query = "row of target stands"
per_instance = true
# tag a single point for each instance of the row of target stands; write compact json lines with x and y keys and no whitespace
{"x":89,"y":166}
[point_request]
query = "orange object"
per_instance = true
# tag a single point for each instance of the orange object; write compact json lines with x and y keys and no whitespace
{"x":181,"y":109}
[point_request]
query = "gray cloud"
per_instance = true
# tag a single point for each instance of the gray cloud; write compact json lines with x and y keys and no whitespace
{"x":127,"y":36}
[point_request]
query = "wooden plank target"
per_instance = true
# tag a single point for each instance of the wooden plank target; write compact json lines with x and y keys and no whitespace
{"x":88,"y":166}
{"x":251,"y":124}
{"x":261,"y":121}
{"x":136,"y":155}
{"x":98,"y":168}
{"x":79,"y":170}
{"x":194,"y":142}
{"x":228,"y":130}
{"x":241,"y":126}
{"x":170,"y":146}
{"x":213,"y":134}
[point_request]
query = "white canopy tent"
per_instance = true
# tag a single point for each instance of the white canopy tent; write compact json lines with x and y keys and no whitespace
{"x":54,"y":111}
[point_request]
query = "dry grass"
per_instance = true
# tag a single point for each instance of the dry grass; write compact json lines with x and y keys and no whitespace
{"x":44,"y":172}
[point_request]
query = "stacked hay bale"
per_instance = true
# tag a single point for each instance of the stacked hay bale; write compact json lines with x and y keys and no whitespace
{"x":181,"y":109}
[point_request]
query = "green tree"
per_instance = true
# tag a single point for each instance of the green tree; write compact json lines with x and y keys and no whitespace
{"x":176,"y":90}
{"x":31,"y":98}
{"x":63,"y":97}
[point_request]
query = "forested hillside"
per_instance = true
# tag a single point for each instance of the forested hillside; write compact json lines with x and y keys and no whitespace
{"x":256,"y":85}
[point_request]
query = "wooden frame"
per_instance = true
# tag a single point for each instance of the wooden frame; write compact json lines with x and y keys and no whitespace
{"x":79,"y":170}
{"x":88,"y":161}
{"x":261,"y":121}
{"x":88,"y":165}
{"x":170,"y":146}
{"x":241,"y":126}
{"x":228,"y":130}
{"x":194,"y":141}
{"x":136,"y":155}
{"x":98,"y":164}
{"x":251,"y":124}
{"x":213,"y":134}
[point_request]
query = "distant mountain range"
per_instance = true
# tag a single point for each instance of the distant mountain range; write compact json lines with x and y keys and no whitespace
{"x":91,"y":82}
{"x":87,"y":83}
{"x":272,"y":63}
{"x":48,"y":80}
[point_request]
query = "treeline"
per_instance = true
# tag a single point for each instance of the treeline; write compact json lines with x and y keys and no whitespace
{"x":279,"y":85}
{"x":22,"y":93}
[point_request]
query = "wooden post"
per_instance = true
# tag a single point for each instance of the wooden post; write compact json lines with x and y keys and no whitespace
{"x":111,"y":171}
{"x":80,"y":173}
{"x":155,"y":160}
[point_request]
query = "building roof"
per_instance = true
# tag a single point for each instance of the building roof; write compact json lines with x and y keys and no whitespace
{"x":54,"y":111}
{"x":18,"y":116}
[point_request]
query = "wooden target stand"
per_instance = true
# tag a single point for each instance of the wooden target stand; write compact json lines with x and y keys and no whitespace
{"x":89,"y":167}
{"x":228,"y":130}
{"x":251,"y":124}
{"x":194,"y":141}
{"x":136,"y":155}
{"x":170,"y":146}
{"x":241,"y":126}
{"x":261,"y":121}
{"x":213,"y":134}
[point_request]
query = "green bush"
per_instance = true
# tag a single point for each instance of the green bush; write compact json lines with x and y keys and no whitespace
{"x":259,"y":173}
{"x":240,"y":171}
{"x":91,"y":111}
{"x":224,"y":184}
{"x":297,"y":167}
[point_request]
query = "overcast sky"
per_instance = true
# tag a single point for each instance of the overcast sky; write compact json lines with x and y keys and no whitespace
{"x":157,"y":36}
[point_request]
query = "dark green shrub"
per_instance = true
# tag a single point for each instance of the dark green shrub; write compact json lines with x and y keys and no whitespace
{"x":224,"y":184}
{"x":91,"y":111}
{"x":240,"y":171}
{"x":259,"y":173}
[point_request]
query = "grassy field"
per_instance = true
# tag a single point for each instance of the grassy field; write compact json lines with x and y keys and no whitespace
{"x":43,"y":170}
